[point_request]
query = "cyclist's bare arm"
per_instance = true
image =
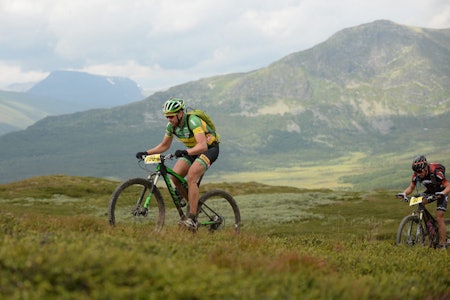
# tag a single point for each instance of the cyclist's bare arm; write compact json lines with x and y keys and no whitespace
{"x":446,"y":184}
{"x":162,"y":147}
{"x":201,"y":145}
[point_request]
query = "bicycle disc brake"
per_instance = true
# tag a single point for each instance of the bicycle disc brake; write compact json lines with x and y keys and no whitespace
{"x":140,"y":212}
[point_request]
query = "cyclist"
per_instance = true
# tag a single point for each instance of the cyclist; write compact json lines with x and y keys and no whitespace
{"x":432,"y":176}
{"x":202,"y":150}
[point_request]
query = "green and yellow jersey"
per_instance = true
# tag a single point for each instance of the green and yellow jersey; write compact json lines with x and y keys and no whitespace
{"x":191,"y":125}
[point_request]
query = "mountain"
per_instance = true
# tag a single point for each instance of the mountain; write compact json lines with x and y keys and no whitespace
{"x":64,"y":92}
{"x":20,"y":87}
{"x":20,"y":110}
{"x":362,"y":103}
{"x":92,"y":91}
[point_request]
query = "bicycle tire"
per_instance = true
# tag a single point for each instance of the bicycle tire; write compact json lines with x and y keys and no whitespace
{"x":408,"y":234}
{"x":216,"y":209}
{"x":447,"y":225}
{"x":126,"y":205}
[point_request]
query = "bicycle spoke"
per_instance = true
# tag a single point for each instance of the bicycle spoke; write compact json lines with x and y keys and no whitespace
{"x":218,"y":211}
{"x":127,"y":205}
{"x":410,"y":232}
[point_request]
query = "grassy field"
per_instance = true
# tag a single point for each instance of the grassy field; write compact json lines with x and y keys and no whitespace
{"x":294,"y":244}
{"x":327,"y":175}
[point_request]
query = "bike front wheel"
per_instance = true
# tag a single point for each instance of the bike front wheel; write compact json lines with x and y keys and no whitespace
{"x":126,"y":205}
{"x":410,"y":232}
{"x":218,"y":210}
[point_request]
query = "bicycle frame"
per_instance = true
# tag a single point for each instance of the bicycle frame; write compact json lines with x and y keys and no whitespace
{"x":427,"y":227}
{"x":424,"y":218}
{"x":165,"y":171}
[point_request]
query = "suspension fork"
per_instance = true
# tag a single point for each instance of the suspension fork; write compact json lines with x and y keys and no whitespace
{"x":154,"y":178}
{"x":420,"y":227}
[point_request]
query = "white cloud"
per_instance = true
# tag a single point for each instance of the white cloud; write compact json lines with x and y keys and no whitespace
{"x":10,"y":74}
{"x":441,"y":19}
{"x":163,"y":43}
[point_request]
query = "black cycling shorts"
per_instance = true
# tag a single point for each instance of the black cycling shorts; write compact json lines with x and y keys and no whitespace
{"x":206,"y":159}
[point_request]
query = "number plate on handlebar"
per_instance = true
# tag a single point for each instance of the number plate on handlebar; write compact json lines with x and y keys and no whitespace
{"x":415,"y":200}
{"x":152,"y":159}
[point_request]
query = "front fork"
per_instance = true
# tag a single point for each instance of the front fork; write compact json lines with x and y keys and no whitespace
{"x":143,"y":211}
{"x":421,"y":231}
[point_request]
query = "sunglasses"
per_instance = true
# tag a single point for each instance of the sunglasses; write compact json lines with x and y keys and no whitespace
{"x":170,"y":117}
{"x":420,"y":171}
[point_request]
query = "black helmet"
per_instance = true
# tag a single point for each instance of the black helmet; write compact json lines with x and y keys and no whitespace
{"x":419,"y":163}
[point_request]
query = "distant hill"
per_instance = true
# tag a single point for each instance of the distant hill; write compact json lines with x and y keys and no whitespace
{"x":20,"y":110}
{"x":367,"y":100}
{"x":64,"y":92}
{"x":93,"y":91}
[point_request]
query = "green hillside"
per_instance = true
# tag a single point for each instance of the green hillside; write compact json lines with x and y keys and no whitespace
{"x":56,"y":243}
{"x":20,"y":110}
{"x":351,"y":112}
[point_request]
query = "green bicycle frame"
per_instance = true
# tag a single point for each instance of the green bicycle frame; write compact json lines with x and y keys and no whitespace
{"x":164,"y":171}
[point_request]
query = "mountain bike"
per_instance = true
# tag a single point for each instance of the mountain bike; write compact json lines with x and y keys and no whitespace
{"x":139,"y":200}
{"x":420,"y":228}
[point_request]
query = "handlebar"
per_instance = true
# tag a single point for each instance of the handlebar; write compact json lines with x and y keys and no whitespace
{"x":429,"y":198}
{"x":163,"y":157}
{"x":402,"y":196}
{"x":168,"y":156}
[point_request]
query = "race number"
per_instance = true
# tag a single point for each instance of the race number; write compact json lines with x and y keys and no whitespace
{"x":415,"y":200}
{"x":153,"y":159}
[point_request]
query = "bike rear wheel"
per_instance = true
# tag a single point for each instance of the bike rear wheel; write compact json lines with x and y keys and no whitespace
{"x":126,"y":205}
{"x":410,"y":232}
{"x":218,"y":211}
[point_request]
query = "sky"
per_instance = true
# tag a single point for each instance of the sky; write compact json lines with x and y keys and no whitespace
{"x":163,"y":43}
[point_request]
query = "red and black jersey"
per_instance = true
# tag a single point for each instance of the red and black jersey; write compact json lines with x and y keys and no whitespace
{"x":435,"y":179}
